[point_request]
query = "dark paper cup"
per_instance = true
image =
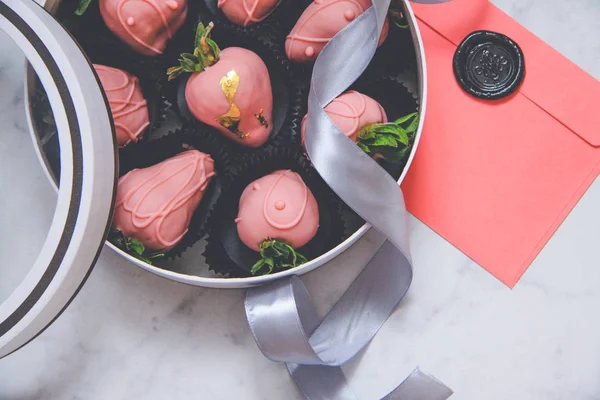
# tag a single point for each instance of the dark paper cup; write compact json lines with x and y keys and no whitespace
{"x":151,"y":89}
{"x":284,"y":17}
{"x":273,"y":26}
{"x":226,"y":254}
{"x":396,"y":54}
{"x":146,"y":154}
{"x":288,"y":90}
{"x":99,"y":42}
{"x":396,"y":100}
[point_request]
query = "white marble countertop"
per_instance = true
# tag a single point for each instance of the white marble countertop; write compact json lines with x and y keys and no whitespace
{"x":132,"y":335}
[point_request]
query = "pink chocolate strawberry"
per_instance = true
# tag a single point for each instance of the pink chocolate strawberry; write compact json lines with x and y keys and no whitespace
{"x":155,"y":205}
{"x":128,"y":107}
{"x":229,"y":90}
{"x":319,"y":23}
{"x":364,"y":121}
{"x":144,"y":25}
{"x":246,"y":12}
{"x":277,"y":215}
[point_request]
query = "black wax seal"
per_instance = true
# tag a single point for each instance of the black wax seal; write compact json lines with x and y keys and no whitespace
{"x":489,"y":65}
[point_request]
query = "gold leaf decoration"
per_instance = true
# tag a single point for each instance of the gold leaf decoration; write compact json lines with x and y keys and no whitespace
{"x":261,"y":118}
{"x":232,"y":118}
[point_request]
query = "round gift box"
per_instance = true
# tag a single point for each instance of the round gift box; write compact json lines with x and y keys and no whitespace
{"x":52,"y":5}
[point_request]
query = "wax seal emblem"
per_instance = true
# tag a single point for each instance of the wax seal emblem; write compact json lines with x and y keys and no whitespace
{"x":489,"y":65}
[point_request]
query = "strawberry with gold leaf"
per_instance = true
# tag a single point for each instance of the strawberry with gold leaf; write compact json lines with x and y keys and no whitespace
{"x":229,"y":89}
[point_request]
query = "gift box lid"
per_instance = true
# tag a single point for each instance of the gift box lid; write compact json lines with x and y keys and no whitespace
{"x":46,"y":260}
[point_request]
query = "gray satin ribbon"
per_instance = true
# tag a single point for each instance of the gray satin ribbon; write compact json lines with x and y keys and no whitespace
{"x":281,"y":315}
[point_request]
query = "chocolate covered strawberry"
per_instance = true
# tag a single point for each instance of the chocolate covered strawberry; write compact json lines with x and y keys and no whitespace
{"x":229,"y":90}
{"x":246,"y":12}
{"x":128,"y":107}
{"x":154,"y":205}
{"x":365,"y":122}
{"x":144,"y":25}
{"x":277,"y":215}
{"x":319,"y":23}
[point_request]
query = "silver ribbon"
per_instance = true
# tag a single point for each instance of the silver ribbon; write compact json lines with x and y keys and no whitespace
{"x":281,"y":316}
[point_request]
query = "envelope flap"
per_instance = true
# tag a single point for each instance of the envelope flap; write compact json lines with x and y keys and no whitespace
{"x":552,"y":82}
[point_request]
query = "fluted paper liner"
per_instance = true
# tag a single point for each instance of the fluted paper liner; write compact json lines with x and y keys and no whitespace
{"x":396,"y":100}
{"x":288,"y":90}
{"x":226,"y":254}
{"x":146,"y":154}
{"x":95,"y":38}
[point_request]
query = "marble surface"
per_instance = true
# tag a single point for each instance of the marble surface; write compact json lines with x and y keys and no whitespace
{"x":132,"y":335}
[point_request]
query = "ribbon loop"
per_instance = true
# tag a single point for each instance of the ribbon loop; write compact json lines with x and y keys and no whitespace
{"x":281,"y":316}
{"x":420,"y":386}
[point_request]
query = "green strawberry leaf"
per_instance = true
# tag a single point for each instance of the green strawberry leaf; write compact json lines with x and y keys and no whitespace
{"x":190,"y":57}
{"x":206,"y":53}
{"x":188,"y":65}
{"x":363,"y":147}
{"x":174,"y":72}
{"x":200,"y":33}
{"x":403,"y":138}
{"x":276,"y":254}
{"x":295,"y":255}
{"x":366,"y":134}
{"x":132,"y":246}
{"x":405,"y":118}
{"x":155,"y":255}
{"x":391,"y":141}
{"x":393,"y":129}
{"x":387,"y":128}
{"x":269,"y":251}
{"x":282,"y":248}
{"x":257,"y":266}
{"x":414,"y":124}
{"x":271,"y":264}
{"x":301,"y":259}
{"x":216,"y":51}
{"x":144,"y":259}
{"x":137,"y":246}
{"x":385,"y":140}
{"x":83,"y":6}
